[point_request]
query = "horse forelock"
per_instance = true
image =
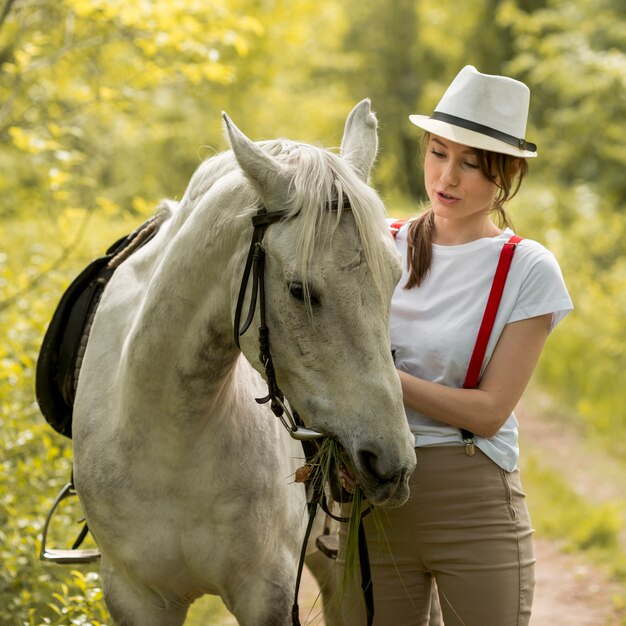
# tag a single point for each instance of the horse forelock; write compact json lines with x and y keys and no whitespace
{"x":321,"y":179}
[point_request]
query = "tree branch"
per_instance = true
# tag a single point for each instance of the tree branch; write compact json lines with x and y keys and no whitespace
{"x":5,"y":11}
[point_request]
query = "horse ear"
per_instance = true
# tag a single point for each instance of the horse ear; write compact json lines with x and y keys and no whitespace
{"x":360,"y":139}
{"x":270,"y":176}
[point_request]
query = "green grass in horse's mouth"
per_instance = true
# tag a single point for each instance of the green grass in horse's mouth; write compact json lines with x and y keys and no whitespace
{"x":333,"y":463}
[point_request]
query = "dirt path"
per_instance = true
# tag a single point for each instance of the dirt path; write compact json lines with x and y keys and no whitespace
{"x":569,"y":589}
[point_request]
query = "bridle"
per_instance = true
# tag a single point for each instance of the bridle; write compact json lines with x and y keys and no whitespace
{"x":255,"y":265}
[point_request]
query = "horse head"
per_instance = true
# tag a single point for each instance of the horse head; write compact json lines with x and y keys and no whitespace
{"x":330,"y":271}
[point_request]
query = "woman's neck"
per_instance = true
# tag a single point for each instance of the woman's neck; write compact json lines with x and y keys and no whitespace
{"x":456,"y":233}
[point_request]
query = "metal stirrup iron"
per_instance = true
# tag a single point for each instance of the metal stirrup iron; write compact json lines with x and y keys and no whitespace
{"x":74,"y":555}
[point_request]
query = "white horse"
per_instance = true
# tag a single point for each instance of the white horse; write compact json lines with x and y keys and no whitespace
{"x":187,"y":482}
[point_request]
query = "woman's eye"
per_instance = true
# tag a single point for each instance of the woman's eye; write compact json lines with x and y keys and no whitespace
{"x":473,"y":166}
{"x":439,"y":155}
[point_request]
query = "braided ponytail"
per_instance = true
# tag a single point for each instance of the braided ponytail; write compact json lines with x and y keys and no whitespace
{"x":420,"y":247}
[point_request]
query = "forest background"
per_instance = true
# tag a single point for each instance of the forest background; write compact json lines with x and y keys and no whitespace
{"x":107,"y":106}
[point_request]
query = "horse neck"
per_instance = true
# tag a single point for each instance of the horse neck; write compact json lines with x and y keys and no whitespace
{"x":204,"y":178}
{"x":184,"y":327}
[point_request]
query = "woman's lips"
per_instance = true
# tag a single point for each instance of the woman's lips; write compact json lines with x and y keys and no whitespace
{"x":446,"y":198}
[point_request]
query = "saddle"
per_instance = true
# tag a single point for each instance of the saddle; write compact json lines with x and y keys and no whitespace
{"x":64,"y":343}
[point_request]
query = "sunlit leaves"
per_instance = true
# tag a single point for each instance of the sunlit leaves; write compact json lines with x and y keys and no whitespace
{"x":35,"y":461}
{"x":560,"y":512}
{"x":80,"y":600}
{"x":76,"y":76}
{"x":573,"y":55}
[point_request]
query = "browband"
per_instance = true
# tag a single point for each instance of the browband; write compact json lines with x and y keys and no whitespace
{"x":522,"y":144}
{"x":264,"y":217}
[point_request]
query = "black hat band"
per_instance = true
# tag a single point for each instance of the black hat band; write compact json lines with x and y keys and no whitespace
{"x":522,"y":144}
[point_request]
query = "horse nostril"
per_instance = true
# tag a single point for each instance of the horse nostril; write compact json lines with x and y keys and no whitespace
{"x":367,"y":461}
{"x":371,"y":465}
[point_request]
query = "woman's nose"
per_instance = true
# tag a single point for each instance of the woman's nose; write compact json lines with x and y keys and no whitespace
{"x":449,"y":174}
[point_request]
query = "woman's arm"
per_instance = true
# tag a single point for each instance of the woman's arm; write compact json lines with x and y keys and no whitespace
{"x":485,"y":409}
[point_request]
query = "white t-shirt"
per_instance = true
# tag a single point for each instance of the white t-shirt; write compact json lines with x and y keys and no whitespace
{"x":434,"y":327}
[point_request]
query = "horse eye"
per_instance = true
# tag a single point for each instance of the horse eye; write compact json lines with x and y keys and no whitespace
{"x":297,"y":291}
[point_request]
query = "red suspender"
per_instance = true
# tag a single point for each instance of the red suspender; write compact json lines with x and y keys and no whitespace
{"x":396,"y":226}
{"x":493,"y":302}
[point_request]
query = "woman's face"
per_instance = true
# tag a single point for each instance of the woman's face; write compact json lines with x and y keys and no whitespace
{"x":455,"y":185}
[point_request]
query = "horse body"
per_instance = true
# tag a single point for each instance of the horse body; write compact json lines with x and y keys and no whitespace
{"x":186,"y":481}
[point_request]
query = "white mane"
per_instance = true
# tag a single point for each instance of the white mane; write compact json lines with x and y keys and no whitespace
{"x":320,"y":178}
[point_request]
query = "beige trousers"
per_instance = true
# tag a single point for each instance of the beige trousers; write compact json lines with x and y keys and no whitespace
{"x":466,"y":525}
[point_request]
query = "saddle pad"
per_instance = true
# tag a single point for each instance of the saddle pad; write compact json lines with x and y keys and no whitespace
{"x":65,"y":340}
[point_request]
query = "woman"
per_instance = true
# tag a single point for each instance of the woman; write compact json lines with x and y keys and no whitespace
{"x":466,"y":524}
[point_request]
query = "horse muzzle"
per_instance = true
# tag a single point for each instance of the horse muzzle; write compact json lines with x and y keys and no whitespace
{"x":382,"y":487}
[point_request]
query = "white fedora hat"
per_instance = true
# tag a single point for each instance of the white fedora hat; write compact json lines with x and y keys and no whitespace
{"x":482,"y":111}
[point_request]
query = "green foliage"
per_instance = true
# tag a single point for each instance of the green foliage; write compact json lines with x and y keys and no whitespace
{"x":559,"y":512}
{"x":79,"y":79}
{"x":84,"y":597}
{"x":36,"y":462}
{"x":583,"y":361}
{"x":573,"y":56}
{"x":101,"y":98}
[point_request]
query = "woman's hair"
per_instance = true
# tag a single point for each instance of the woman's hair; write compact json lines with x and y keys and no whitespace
{"x":505,"y":171}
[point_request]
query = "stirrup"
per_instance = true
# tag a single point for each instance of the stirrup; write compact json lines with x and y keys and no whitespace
{"x":66,"y":557}
{"x":328,"y":545}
